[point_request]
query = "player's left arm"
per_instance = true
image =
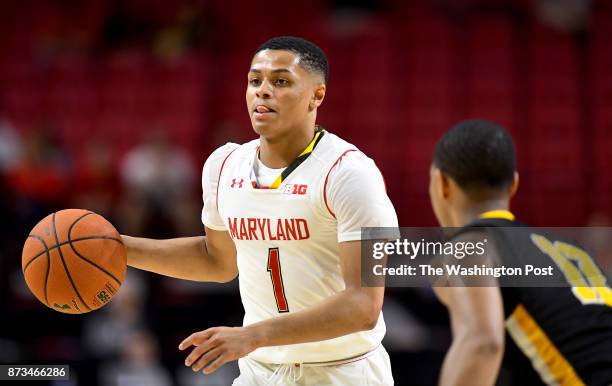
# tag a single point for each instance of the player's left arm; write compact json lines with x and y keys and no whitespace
{"x":476,"y":311}
{"x":357,"y":198}
{"x":351,"y":310}
{"x":477,"y":321}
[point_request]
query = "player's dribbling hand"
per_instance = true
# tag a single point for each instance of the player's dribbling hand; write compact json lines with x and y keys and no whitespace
{"x":216,"y":346}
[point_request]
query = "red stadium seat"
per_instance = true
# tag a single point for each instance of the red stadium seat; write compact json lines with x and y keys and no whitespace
{"x":490,"y":79}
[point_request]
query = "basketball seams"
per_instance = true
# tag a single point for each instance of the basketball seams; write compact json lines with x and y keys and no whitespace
{"x":48,"y":252}
{"x":77,"y":261}
{"x":66,"y":242}
{"x":91,"y":262}
{"x":77,"y":220}
{"x":59,"y":248}
{"x":83,"y":257}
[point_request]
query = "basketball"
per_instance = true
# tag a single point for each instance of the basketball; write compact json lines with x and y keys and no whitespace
{"x":74,"y":261}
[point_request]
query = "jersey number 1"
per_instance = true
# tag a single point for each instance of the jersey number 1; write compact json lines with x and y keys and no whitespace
{"x":277,"y":280}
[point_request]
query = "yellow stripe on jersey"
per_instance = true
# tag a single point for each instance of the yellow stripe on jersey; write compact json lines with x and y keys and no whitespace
{"x":303,"y":155}
{"x":552,"y":366}
{"x":276,"y":182}
{"x":500,"y":213}
{"x":311,"y":145}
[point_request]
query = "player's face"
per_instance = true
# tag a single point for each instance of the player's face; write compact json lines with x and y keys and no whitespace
{"x":436,"y":195}
{"x":280,"y":92}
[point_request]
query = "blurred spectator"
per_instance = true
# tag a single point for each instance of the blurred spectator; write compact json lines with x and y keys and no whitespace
{"x":40,"y":179}
{"x":41,"y":174}
{"x":564,"y":15}
{"x":10,"y":154}
{"x":404,"y":331}
{"x":139,"y":364}
{"x":10,"y":146}
{"x":185,"y":216}
{"x":159,"y":182}
{"x":158,"y":170}
{"x":107,"y":330}
{"x":131,"y":214}
{"x":96,"y":181}
{"x":64,"y":33}
{"x":192,"y":30}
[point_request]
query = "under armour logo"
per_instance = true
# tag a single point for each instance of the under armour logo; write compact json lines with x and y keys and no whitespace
{"x":237,"y":181}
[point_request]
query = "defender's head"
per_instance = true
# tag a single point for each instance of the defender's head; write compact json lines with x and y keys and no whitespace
{"x":473,"y":164}
{"x":286,"y":84}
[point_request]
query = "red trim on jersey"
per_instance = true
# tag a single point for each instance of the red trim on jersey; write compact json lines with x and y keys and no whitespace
{"x":327,"y":177}
{"x":219,"y":179}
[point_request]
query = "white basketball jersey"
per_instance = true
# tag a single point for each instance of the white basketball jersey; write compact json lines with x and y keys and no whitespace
{"x":287,"y":247}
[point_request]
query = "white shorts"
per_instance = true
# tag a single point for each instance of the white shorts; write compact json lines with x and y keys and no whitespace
{"x":370,"y":369}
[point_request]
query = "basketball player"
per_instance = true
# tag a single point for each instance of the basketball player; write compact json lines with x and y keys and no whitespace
{"x":284,"y":212}
{"x":553,"y":336}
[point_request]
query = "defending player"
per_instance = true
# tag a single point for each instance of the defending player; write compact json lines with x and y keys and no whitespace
{"x":555,"y":336}
{"x":284,"y":212}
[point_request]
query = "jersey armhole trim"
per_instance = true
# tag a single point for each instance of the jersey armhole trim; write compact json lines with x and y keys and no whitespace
{"x":327,"y":178}
{"x":219,"y":178}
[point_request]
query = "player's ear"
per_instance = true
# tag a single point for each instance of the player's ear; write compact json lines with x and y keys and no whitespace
{"x":317,"y":96}
{"x":515,"y":184}
{"x":440,"y":183}
{"x":445,"y":185}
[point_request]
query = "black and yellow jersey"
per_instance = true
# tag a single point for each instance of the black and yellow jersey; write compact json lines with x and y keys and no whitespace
{"x":554,"y":336}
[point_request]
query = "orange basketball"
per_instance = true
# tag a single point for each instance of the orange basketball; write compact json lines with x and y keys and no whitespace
{"x":74,"y":261}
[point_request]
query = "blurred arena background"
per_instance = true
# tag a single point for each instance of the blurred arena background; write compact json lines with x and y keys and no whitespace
{"x":113,"y":106}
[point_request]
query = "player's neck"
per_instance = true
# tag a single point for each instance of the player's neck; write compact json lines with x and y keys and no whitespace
{"x":472,"y":211}
{"x":280,"y":152}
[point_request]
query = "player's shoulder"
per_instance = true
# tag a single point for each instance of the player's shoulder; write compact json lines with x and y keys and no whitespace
{"x":333,"y":149}
{"x":220,"y":155}
{"x":350,"y":164}
{"x":333,"y":143}
{"x":348,"y":157}
{"x":222,"y":152}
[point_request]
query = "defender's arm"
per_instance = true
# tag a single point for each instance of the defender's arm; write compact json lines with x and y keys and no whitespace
{"x":477,"y":320}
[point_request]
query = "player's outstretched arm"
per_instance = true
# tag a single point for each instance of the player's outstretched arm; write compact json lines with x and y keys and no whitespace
{"x":351,"y":310}
{"x":204,"y":258}
{"x":477,"y":320}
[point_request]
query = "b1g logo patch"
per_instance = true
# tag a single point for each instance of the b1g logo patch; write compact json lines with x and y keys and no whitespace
{"x":295,"y":189}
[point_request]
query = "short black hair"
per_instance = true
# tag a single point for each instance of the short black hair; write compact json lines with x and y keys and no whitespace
{"x":478,"y":155}
{"x":312,"y":58}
